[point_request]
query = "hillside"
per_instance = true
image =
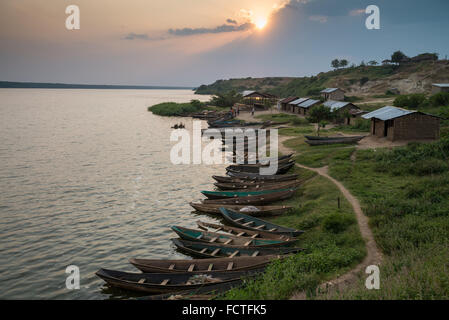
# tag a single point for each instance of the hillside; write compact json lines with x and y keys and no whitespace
{"x":361,"y":81}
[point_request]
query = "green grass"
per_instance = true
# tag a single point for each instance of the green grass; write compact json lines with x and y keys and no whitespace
{"x":328,"y":251}
{"x":170,"y":109}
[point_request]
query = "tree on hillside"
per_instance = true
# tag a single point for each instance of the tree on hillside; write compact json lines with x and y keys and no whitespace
{"x":373,"y":63}
{"x":398,"y":56}
{"x":335,"y":63}
{"x":343,"y":63}
{"x":318,"y":115}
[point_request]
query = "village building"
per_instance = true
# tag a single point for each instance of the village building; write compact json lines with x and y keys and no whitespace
{"x":293,"y":105}
{"x":401,"y":124}
{"x":333,"y":94}
{"x":284,"y":102}
{"x":440,"y":87}
{"x":347,"y":112}
{"x":305,"y":106}
{"x":258,"y":99}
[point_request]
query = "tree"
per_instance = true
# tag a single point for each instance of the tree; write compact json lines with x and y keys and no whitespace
{"x":343,"y":63}
{"x":398,"y":56}
{"x":225,"y":99}
{"x":318,"y":115}
{"x":373,"y":63}
{"x":335,"y":63}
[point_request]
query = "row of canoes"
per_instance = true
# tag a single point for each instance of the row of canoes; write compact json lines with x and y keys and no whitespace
{"x":224,"y":255}
{"x":318,"y":141}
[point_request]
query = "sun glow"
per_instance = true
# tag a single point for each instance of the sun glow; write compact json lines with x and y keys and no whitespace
{"x":261,"y":23}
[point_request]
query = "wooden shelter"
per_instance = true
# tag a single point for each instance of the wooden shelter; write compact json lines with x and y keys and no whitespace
{"x":346,"y":112}
{"x":401,"y":124}
{"x":284,"y":102}
{"x":258,"y":99}
{"x":335,"y":94}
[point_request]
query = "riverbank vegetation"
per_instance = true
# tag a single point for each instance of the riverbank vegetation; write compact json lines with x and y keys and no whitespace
{"x":177,"y":109}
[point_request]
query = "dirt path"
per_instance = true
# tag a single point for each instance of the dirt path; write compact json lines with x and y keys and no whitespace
{"x":373,"y":257}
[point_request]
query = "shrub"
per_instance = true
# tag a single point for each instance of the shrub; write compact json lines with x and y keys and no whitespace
{"x":439,"y":99}
{"x":299,"y":121}
{"x":337,"y":222}
{"x":412,"y":101}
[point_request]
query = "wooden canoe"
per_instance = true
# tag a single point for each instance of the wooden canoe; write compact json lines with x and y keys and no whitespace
{"x":195,"y":266}
{"x":244,"y":232}
{"x":240,"y":194}
{"x":261,"y":185}
{"x":207,"y":250}
{"x":334,"y":141}
{"x":247,"y":222}
{"x":256,"y":177}
{"x":331,"y":138}
{"x":255,"y":200}
{"x":225,"y":239}
{"x":263,"y":210}
{"x":281,"y":169}
{"x":256,"y":168}
{"x":156,"y":283}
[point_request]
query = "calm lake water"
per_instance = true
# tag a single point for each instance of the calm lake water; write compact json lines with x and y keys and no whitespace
{"x":86,"y":179}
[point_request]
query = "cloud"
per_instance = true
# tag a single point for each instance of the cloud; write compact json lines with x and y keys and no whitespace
{"x":134,"y":36}
{"x":231,"y":21}
{"x":356,"y":12}
{"x":320,"y":19}
{"x":220,"y":29}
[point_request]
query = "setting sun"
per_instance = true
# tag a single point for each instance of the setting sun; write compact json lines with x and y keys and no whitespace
{"x":261,"y":23}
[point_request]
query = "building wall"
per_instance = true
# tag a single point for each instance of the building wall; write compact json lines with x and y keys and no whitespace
{"x":379,"y":126}
{"x":415,"y":126}
{"x":439,"y":89}
{"x":337,"y":95}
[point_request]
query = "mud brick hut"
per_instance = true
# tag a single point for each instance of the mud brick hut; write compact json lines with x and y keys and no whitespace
{"x":401,"y":124}
{"x":347,"y":112}
{"x":440,"y":87}
{"x":284,"y":102}
{"x":335,"y":94}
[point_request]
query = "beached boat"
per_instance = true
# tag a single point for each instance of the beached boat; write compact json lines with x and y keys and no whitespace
{"x":257,"y":186}
{"x":248,"y":166}
{"x":225,"y":239}
{"x":243,"y":232}
{"x":256,"y":211}
{"x":256,"y":178}
{"x":207,"y":250}
{"x":240,"y":194}
{"x":343,"y":140}
{"x":156,"y":283}
{"x":195,"y":266}
{"x":281,"y":169}
{"x":255,"y":200}
{"x":247,"y":222}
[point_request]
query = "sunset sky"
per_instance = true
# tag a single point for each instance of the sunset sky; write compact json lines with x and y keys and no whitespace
{"x":193,"y":42}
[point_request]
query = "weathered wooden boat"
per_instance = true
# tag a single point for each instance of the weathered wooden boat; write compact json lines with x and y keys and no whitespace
{"x":255,"y":200}
{"x":247,"y":222}
{"x":239,"y":194}
{"x":257,"y":186}
{"x":282,"y":168}
{"x":155,"y":283}
{"x":345,"y":140}
{"x":244,"y":232}
{"x":260,"y":211}
{"x":195,"y":266}
{"x":225,"y":239}
{"x":207,"y":250}
{"x":240,"y":176}
{"x":249,"y":166}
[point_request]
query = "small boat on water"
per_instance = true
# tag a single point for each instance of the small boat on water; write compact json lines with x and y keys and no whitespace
{"x":240,"y":194}
{"x":257,"y":186}
{"x":244,"y":232}
{"x":156,"y":283}
{"x":247,"y":222}
{"x":208,"y":250}
{"x":254,"y":200}
{"x":256,"y":211}
{"x":334,"y":140}
{"x":195,"y":266}
{"x":225,"y":239}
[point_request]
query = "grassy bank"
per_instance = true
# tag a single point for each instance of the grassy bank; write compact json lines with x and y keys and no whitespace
{"x":332,"y":241}
{"x":170,"y":109}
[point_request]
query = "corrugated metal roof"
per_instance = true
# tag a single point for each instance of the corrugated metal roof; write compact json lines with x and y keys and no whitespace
{"x":387,"y":113}
{"x":308,"y":103}
{"x":335,"y":105}
{"x":247,"y":92}
{"x":329,"y":90}
{"x":289,"y":99}
{"x":441,"y":85}
{"x":298,"y":101}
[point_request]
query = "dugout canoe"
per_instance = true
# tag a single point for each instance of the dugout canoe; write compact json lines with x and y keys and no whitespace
{"x":206,"y":250}
{"x":240,"y":194}
{"x":334,"y":141}
{"x":227,"y":240}
{"x":247,"y":222}
{"x":262,"y":211}
{"x":244,"y":232}
{"x":157,"y":283}
{"x":242,"y":186}
{"x":255,"y":177}
{"x":255,"y":200}
{"x":195,"y":266}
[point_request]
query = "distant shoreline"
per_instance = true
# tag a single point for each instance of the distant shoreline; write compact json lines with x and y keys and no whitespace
{"x":38,"y":85}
